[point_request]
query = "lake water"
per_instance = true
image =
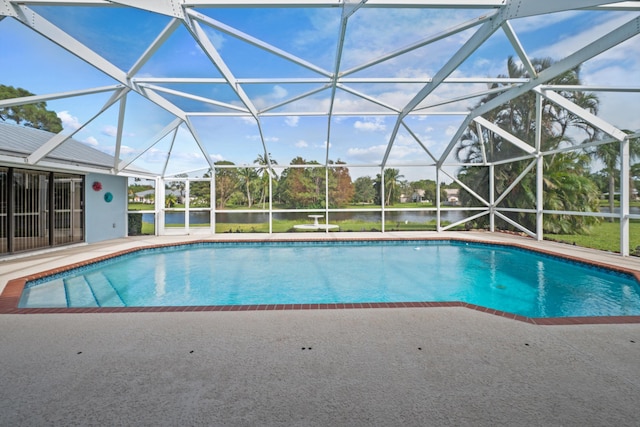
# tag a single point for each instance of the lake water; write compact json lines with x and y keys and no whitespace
{"x":263,"y":217}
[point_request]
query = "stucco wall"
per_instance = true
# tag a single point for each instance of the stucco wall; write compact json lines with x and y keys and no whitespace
{"x":104,"y":220}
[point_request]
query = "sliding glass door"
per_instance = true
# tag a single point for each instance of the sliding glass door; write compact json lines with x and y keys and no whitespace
{"x":39,"y":209}
{"x":68,"y":219}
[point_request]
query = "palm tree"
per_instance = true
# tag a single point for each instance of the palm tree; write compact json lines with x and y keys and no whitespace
{"x":392,"y":185}
{"x":264,"y":173}
{"x":170,"y":200}
{"x":518,"y":117}
{"x":247,"y":177}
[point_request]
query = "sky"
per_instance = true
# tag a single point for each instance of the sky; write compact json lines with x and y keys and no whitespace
{"x":121,"y":35}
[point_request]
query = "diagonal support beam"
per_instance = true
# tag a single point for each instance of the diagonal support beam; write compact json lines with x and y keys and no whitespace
{"x":582,"y":113}
{"x":153,"y":48}
{"x":45,"y":28}
{"x":157,"y":138}
{"x":517,"y":46}
{"x":515,"y":182}
{"x":523,"y":8}
{"x":12,"y":102}
{"x":121,"y":113}
{"x":424,"y":147}
{"x":164,"y":7}
{"x":505,"y":135}
{"x":476,"y":40}
{"x":198,"y":140}
{"x":443,"y":35}
{"x":347,"y":11}
{"x":194,"y":97}
{"x":217,"y":60}
{"x":367,"y":97}
{"x":59,"y":138}
{"x":466,"y":187}
{"x":256,"y":42}
{"x":295,"y":98}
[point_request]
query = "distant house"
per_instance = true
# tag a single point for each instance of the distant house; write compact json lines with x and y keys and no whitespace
{"x":147,"y":196}
{"x":453,"y":197}
{"x":418,"y":195}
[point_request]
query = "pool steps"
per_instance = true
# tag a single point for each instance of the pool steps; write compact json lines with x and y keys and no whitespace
{"x":103,"y":291}
{"x":52,"y":294}
{"x":91,"y":290}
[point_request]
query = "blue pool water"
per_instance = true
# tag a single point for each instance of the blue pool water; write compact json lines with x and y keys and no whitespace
{"x":499,"y":277}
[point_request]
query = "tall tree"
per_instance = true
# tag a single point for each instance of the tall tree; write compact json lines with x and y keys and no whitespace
{"x":31,"y":115}
{"x":609,"y":155}
{"x":227,"y":183}
{"x":298,"y":187}
{"x":518,"y":117}
{"x":365,"y":191}
{"x":341,"y":189}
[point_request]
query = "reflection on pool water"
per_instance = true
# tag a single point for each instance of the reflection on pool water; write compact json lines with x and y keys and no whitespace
{"x":500,"y":277}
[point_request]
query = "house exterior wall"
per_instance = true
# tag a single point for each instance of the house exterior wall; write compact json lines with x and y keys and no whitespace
{"x":105,"y":220}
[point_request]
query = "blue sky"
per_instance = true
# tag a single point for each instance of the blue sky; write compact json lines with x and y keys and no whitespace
{"x":122,"y":35}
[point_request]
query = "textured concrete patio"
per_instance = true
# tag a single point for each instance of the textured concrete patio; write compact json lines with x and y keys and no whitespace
{"x":405,"y":366}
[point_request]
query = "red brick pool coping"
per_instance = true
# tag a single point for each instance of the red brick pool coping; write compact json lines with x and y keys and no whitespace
{"x":10,"y":296}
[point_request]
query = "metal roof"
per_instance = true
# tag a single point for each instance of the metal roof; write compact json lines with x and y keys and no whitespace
{"x":19,"y":141}
{"x":334,"y":78}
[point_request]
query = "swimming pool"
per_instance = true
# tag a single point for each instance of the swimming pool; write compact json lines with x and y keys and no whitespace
{"x":503,"y":278}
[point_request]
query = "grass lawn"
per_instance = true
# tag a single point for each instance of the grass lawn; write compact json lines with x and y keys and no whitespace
{"x":604,"y":236}
{"x":616,"y":203}
{"x":287,"y":226}
{"x":141,"y":206}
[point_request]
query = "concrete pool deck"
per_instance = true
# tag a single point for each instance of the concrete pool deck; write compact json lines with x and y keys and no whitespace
{"x":394,"y":366}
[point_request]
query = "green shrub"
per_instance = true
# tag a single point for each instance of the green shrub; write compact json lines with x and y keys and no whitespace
{"x":135,"y":224}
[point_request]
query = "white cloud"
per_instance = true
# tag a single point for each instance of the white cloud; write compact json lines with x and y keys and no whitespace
{"x":538,"y":22}
{"x":110,"y":130}
{"x":370,"y":125}
{"x":279,"y":92}
{"x":69,"y":122}
{"x":247,"y":120}
{"x":91,"y":141}
{"x":292,"y":121}
{"x":266,"y":139}
{"x":154,"y":155}
{"x":569,"y":44}
{"x":127,"y":151}
{"x":373,"y":153}
{"x":451,"y":130}
{"x":301,"y":144}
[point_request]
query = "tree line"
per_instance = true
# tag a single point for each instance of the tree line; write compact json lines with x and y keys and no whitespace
{"x":298,"y":187}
